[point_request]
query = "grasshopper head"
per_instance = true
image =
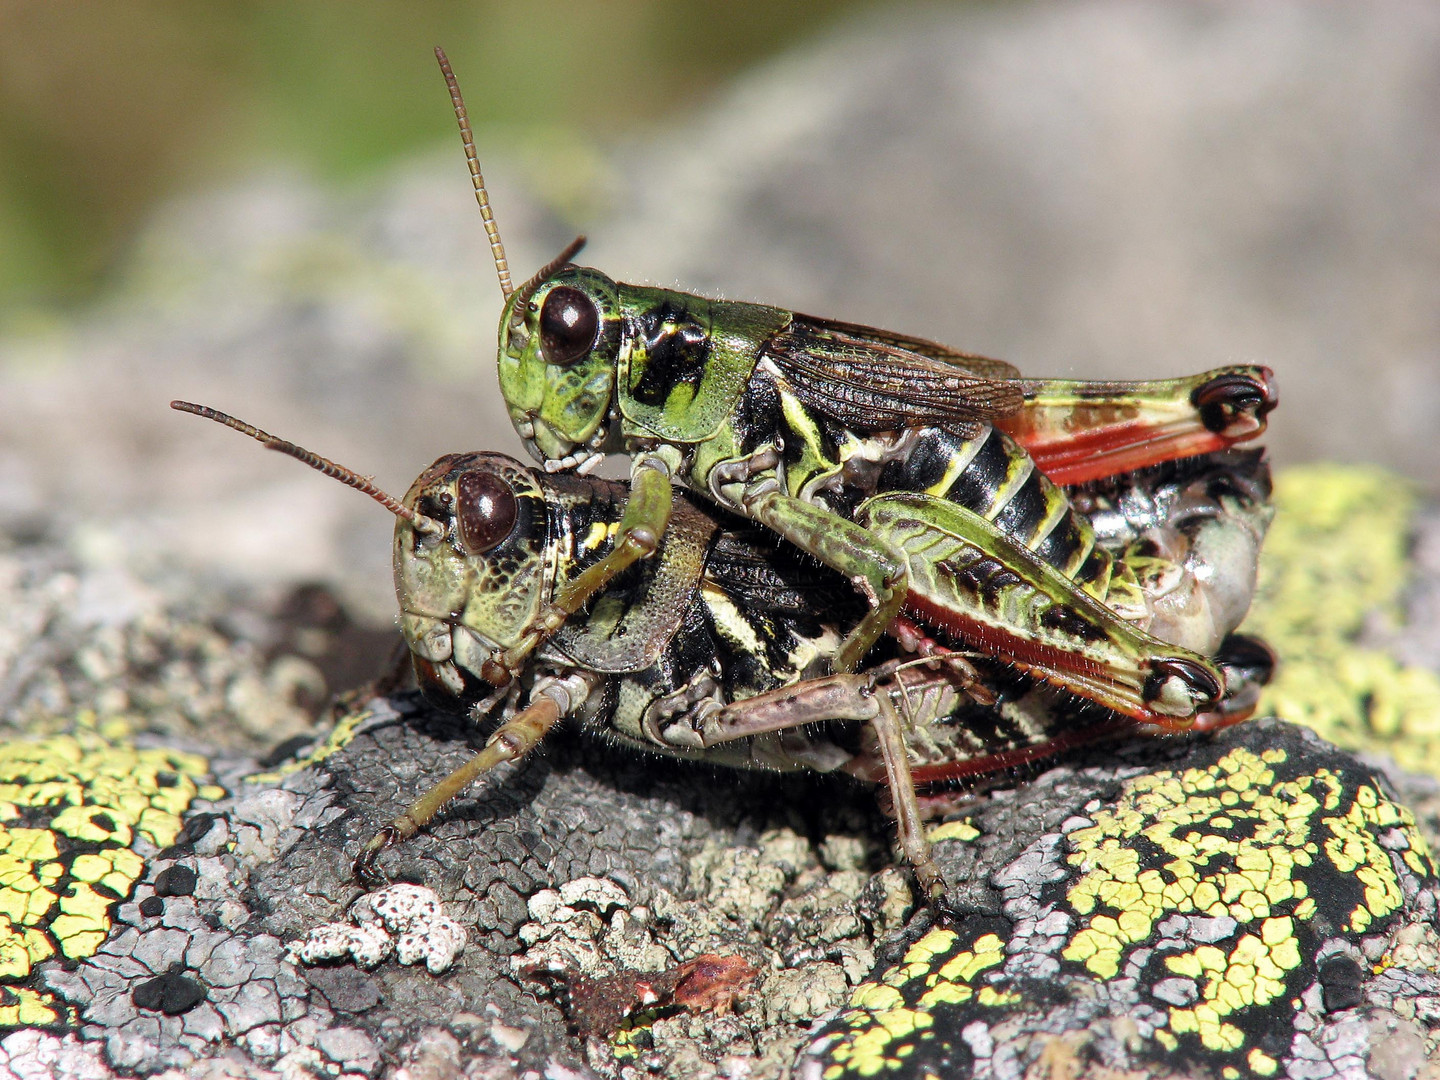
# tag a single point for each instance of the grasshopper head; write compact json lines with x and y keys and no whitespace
{"x":469,"y":593}
{"x":559,"y":343}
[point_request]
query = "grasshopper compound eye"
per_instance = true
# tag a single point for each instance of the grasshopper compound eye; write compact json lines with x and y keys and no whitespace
{"x":569,"y":321}
{"x":486,"y":513}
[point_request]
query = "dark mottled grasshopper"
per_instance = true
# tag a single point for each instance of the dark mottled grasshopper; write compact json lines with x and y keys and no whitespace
{"x":917,"y":472}
{"x":706,"y":651}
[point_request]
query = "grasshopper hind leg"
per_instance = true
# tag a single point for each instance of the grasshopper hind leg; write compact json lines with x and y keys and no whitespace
{"x":890,"y":736}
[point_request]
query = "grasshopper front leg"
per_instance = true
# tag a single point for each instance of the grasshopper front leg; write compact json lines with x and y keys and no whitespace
{"x":511,"y":740}
{"x":647,"y":513}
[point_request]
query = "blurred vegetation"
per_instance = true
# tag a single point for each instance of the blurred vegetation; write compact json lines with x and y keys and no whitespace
{"x":106,"y":108}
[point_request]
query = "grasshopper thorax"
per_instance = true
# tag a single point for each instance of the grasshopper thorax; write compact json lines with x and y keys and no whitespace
{"x":469,"y":594}
{"x":559,"y":340}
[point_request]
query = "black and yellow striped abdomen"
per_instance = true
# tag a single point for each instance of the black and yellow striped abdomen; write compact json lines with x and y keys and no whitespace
{"x":987,"y":473}
{"x":991,"y":475}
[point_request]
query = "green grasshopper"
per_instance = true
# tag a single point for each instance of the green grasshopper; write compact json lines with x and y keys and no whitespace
{"x":704,"y":651}
{"x":902,"y":464}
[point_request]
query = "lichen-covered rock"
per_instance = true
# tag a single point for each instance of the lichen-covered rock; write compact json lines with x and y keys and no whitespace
{"x":1253,"y":901}
{"x":1231,"y":912}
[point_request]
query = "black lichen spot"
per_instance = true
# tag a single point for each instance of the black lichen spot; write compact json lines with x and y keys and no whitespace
{"x":166,"y":779}
{"x":285,"y":751}
{"x":103,"y":821}
{"x":171,"y":993}
{"x":152,"y":907}
{"x":1340,"y":981}
{"x":175,"y":881}
{"x":195,"y":828}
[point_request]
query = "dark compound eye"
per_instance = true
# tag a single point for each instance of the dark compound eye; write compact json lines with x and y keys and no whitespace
{"x":568,"y":321}
{"x":487,"y":511}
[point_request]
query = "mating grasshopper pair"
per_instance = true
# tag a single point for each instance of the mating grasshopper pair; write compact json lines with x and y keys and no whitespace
{"x":707,"y":651}
{"x":927,"y":479}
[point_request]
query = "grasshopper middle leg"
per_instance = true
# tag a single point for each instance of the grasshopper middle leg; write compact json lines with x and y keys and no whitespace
{"x":847,"y":547}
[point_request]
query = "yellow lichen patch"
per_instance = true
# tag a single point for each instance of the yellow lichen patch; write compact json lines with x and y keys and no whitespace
{"x":1252,"y":973}
{"x":939,"y":969}
{"x":1354,"y":848}
{"x":22,"y":1007}
{"x":1261,"y":1063}
{"x":952,"y":980}
{"x":878,"y":1047}
{"x":73,"y":805}
{"x":1233,"y":840}
{"x":339,"y":737}
{"x":963,"y":829}
{"x":1334,"y":560}
{"x":1209,"y":871}
{"x":918,"y":958}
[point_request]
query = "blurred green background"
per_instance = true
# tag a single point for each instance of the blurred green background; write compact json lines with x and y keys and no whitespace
{"x":107,"y":108}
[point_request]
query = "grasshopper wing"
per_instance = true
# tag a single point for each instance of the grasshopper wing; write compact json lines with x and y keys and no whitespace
{"x":870,"y":380}
{"x":983,"y":366}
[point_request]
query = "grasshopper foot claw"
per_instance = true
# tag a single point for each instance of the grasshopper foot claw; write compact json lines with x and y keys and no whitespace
{"x":364,"y":868}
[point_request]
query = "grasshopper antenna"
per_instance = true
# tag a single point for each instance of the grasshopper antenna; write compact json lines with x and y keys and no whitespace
{"x":571,"y":250}
{"x":497,"y":249}
{"x":419,"y":522}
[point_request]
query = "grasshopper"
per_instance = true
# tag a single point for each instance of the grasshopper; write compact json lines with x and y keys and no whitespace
{"x":705,"y":650}
{"x":917,"y":472}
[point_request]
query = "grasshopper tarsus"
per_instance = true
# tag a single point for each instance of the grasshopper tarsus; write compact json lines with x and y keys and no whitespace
{"x":365,"y":867}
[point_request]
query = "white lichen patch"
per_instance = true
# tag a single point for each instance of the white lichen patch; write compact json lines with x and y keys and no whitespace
{"x":601,"y":894}
{"x":406,"y":921}
{"x":588,"y":926}
{"x":367,"y":944}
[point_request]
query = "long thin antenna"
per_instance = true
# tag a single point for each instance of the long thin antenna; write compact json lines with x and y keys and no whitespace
{"x":419,"y":522}
{"x":571,"y":250}
{"x":497,"y":249}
